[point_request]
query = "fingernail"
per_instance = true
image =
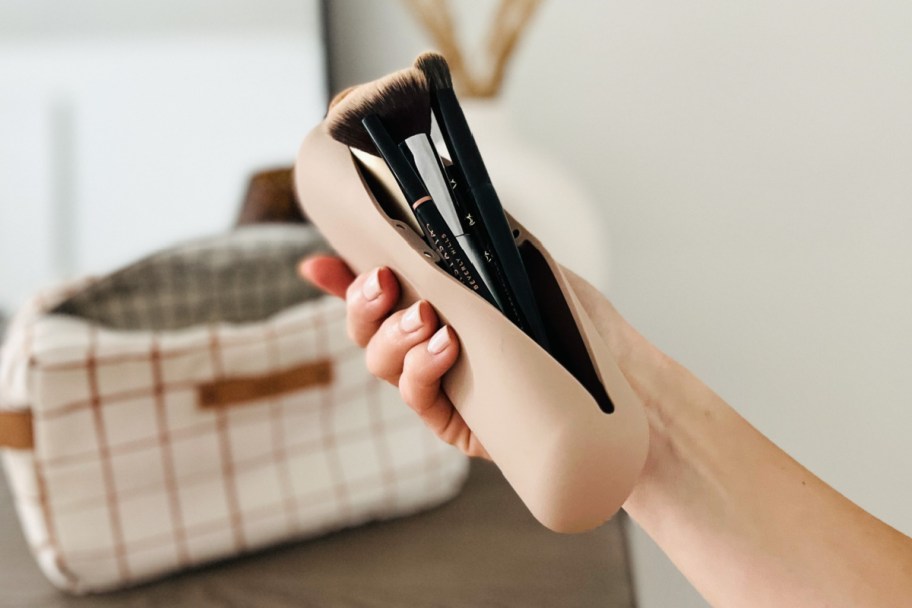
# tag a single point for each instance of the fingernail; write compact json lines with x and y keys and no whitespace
{"x":371,"y":288}
{"x":439,"y":341}
{"x":411,"y":320}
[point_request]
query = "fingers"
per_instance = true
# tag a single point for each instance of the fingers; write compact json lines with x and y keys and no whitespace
{"x":327,"y":272}
{"x":423,"y":367}
{"x":398,"y":334}
{"x":369,"y":299}
{"x":403,"y":348}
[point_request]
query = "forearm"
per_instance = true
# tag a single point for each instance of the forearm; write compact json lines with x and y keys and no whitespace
{"x":745,"y":523}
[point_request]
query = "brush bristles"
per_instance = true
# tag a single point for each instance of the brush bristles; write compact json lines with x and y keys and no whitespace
{"x":435,"y":69}
{"x":401,"y":100}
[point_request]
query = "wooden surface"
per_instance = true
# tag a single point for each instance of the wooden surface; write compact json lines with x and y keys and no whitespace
{"x":482,"y":549}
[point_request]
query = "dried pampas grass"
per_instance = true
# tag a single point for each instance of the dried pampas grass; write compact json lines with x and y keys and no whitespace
{"x":511,"y":19}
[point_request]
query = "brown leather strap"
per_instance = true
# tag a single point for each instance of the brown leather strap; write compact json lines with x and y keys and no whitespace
{"x":241,"y":390}
{"x":16,"y":430}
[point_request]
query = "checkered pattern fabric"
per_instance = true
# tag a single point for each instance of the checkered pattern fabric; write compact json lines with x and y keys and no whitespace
{"x":129,"y":478}
{"x":241,"y":277}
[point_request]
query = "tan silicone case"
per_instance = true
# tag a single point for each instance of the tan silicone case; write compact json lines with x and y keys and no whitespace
{"x":572,"y":464}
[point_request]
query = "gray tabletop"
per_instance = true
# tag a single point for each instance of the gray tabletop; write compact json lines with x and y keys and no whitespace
{"x":481,"y":549}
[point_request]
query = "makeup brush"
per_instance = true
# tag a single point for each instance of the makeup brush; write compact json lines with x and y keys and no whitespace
{"x":367,"y":119}
{"x":461,"y":144}
{"x":401,"y":99}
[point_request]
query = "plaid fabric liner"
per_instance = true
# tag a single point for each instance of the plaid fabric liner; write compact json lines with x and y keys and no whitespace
{"x":239,"y":278}
{"x":130,"y":479}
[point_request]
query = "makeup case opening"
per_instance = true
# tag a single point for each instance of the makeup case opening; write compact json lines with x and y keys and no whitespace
{"x":567,"y":346}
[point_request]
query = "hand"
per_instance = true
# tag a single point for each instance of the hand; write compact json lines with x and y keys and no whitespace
{"x":697,"y":497}
{"x":407,"y":348}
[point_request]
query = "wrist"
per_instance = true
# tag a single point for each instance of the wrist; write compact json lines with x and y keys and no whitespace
{"x":658,"y":382}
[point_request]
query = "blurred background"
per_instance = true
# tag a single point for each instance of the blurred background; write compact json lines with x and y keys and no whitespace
{"x":737,"y":175}
{"x":126,"y":126}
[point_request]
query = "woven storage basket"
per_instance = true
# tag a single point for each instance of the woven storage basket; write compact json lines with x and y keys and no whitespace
{"x":197,"y":405}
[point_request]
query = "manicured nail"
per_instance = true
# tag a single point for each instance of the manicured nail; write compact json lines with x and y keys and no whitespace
{"x":371,"y":288}
{"x":411,"y":320}
{"x":439,"y":341}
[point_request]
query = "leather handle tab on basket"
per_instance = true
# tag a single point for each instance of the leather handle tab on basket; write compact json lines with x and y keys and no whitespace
{"x":16,"y":430}
{"x":232,"y":391}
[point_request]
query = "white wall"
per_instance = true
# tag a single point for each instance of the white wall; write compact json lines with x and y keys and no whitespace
{"x":752,"y":162}
{"x":127,"y":126}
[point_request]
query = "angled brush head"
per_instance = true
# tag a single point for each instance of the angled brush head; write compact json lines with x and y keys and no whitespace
{"x":435,"y":69}
{"x":401,"y":100}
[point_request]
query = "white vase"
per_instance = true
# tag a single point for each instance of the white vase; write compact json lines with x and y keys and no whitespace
{"x":544,"y":197}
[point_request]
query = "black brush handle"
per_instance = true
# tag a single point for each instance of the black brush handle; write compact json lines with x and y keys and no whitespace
{"x":470,"y":218}
{"x":460,"y":135}
{"x":462,"y":145}
{"x":510,"y":260}
{"x":409,"y":181}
